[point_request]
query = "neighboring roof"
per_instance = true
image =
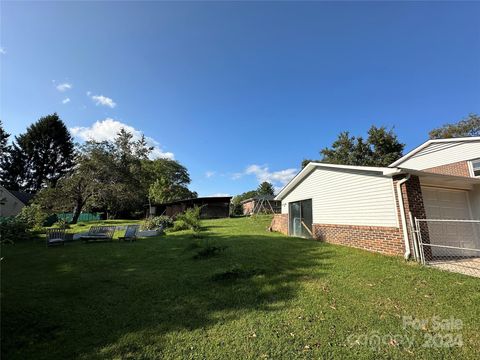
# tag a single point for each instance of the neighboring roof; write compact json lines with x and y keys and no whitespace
{"x":200,"y":200}
{"x":430,"y":142}
{"x":24,"y":197}
{"x":314,"y":165}
{"x":258,"y":197}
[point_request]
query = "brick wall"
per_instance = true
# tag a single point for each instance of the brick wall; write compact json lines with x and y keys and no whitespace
{"x":457,"y":169}
{"x":385,"y":240}
{"x":280,"y":223}
{"x":248,"y":207}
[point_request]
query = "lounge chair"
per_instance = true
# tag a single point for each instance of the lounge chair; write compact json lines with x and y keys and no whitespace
{"x":99,"y":233}
{"x":55,"y":237}
{"x":130,"y":233}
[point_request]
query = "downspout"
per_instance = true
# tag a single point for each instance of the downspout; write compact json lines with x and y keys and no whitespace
{"x":403,"y":217}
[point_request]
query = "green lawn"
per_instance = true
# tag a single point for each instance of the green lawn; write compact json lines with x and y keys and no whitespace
{"x":264,"y":296}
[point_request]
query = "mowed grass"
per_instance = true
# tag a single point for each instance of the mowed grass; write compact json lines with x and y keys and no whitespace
{"x":264,"y":296}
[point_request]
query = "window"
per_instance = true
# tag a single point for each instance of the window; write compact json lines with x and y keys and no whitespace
{"x":476,"y":167}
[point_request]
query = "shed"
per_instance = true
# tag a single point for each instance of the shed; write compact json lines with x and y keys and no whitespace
{"x":212,"y":207}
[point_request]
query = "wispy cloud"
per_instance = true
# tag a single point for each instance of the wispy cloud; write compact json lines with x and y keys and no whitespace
{"x":66,"y":100}
{"x":209,"y":174}
{"x":63,"y":87}
{"x":108,"y":128}
{"x":3,"y":51}
{"x":278,"y":178}
{"x":102,"y":100}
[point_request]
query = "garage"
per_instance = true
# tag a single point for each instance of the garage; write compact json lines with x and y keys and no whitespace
{"x":449,"y":204}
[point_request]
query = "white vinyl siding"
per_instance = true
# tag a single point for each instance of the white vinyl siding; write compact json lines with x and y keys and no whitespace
{"x":347,"y":197}
{"x":437,"y":154}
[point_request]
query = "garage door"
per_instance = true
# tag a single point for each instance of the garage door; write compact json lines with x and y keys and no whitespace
{"x":449,"y":204}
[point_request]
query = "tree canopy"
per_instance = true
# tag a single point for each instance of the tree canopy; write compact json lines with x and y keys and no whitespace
{"x":40,"y":156}
{"x":381,"y":148}
{"x":469,"y":126}
{"x":265,"y":188}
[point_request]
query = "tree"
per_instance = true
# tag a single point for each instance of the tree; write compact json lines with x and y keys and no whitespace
{"x":12,"y":163}
{"x":469,"y":126}
{"x":265,"y":188}
{"x":168,"y":181}
{"x":44,"y":153}
{"x":380,"y":149}
{"x":86,"y":183}
{"x":3,"y":140}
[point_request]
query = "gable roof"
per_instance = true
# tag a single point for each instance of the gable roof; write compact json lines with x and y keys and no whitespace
{"x":314,"y":165}
{"x":430,"y":142}
{"x":24,"y":197}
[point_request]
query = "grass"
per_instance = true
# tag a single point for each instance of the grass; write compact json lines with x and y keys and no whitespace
{"x":264,"y":296}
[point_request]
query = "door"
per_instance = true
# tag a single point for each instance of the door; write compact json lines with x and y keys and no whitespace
{"x":446,"y":204}
{"x":300,"y":218}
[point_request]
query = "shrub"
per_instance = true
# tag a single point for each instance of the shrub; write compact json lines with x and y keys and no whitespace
{"x":191,"y":218}
{"x":180,"y":225}
{"x":12,"y":229}
{"x":156,"y":222}
{"x":62,"y":224}
{"x":33,"y":216}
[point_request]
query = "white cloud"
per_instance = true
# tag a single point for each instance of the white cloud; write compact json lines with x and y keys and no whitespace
{"x":278,"y":178}
{"x":108,"y":129}
{"x":66,"y":100}
{"x":103,"y":100}
{"x":209,"y":174}
{"x":64,"y":87}
{"x":3,"y":51}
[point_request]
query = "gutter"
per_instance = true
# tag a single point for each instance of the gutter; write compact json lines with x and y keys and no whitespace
{"x":403,"y":217}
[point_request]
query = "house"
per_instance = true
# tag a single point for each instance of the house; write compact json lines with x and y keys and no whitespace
{"x":12,"y":202}
{"x":261,"y":203}
{"x":433,"y":192}
{"x":212,"y":207}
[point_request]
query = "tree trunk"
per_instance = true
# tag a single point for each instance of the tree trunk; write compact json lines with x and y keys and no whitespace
{"x":77,"y":210}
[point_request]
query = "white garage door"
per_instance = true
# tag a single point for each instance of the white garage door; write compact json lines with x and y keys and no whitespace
{"x":449,"y":204}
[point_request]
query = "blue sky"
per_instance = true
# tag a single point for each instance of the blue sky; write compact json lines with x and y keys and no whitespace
{"x":240,"y":92}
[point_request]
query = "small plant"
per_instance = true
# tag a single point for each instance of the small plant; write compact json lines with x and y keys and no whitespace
{"x":157,"y":222}
{"x":209,"y":251}
{"x":237,"y":273}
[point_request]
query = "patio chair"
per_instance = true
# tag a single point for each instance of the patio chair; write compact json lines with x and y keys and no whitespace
{"x":55,"y":237}
{"x":99,"y":233}
{"x":130,"y":233}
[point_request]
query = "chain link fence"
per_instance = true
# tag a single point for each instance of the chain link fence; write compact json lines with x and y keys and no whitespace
{"x":452,"y":245}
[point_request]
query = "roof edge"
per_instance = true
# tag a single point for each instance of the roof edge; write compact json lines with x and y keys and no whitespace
{"x":427,"y":143}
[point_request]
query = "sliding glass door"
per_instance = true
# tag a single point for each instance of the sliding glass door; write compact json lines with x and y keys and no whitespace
{"x":300,"y":218}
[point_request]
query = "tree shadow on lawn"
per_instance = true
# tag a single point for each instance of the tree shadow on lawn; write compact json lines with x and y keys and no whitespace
{"x":118,"y":305}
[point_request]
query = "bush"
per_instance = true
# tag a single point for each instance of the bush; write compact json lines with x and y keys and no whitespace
{"x":156,"y":222}
{"x":33,"y":216}
{"x":62,"y":224}
{"x":12,"y":229}
{"x":191,"y":218}
{"x":180,"y":225}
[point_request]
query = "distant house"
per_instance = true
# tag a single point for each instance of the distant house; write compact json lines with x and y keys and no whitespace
{"x":12,"y":202}
{"x":261,"y":203}
{"x":375,"y":208}
{"x":212,"y":207}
